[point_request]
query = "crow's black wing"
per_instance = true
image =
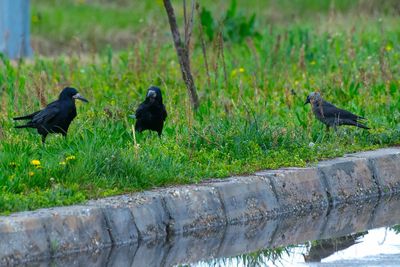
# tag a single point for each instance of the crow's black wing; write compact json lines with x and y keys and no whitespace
{"x":47,"y":114}
{"x":331,"y":110}
{"x":140,"y":111}
{"x":164,"y":113}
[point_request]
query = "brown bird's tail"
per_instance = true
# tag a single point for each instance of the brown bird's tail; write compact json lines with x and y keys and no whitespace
{"x":360,"y":125}
{"x":354,"y":123}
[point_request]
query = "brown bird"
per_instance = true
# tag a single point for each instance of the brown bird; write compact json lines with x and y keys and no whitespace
{"x":332,"y":116}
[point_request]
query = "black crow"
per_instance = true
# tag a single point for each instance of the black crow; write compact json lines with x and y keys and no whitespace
{"x":56,"y":116}
{"x":330,"y":115}
{"x":151,"y":113}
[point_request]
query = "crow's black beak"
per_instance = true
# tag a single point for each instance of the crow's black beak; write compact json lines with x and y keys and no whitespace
{"x":307,"y":101}
{"x":78,"y":96}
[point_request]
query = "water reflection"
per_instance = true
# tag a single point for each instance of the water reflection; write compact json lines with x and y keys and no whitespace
{"x":320,"y":249}
{"x":396,"y":228}
{"x":341,"y":236}
{"x":377,"y":247}
{"x":258,"y":258}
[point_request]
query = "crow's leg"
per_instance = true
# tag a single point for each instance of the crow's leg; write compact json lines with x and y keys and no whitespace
{"x":138,"y":129}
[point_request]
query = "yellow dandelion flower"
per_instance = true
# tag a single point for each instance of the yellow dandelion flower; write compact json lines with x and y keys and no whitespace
{"x":35,"y":162}
{"x":31,"y":174}
{"x":388,"y":48}
{"x":70,"y":158}
{"x":235,"y":72}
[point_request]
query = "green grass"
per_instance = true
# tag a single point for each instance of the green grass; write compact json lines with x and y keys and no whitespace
{"x":255,"y":119}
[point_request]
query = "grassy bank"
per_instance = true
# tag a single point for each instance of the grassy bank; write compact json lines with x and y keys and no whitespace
{"x":252,"y":114}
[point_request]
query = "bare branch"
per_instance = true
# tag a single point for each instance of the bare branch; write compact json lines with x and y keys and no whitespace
{"x":185,"y":20}
{"x":183,"y":54}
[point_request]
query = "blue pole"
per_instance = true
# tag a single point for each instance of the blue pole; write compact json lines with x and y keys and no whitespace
{"x":14,"y":28}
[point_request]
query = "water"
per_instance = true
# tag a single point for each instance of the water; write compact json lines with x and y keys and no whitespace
{"x":366,"y":234}
{"x":377,"y":247}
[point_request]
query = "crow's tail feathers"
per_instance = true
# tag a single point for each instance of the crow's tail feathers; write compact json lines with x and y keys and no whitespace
{"x":26,"y":117}
{"x":23,"y":126}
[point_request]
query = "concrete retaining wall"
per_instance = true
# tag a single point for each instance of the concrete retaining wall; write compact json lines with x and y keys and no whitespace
{"x":160,"y":214}
{"x":236,"y":239}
